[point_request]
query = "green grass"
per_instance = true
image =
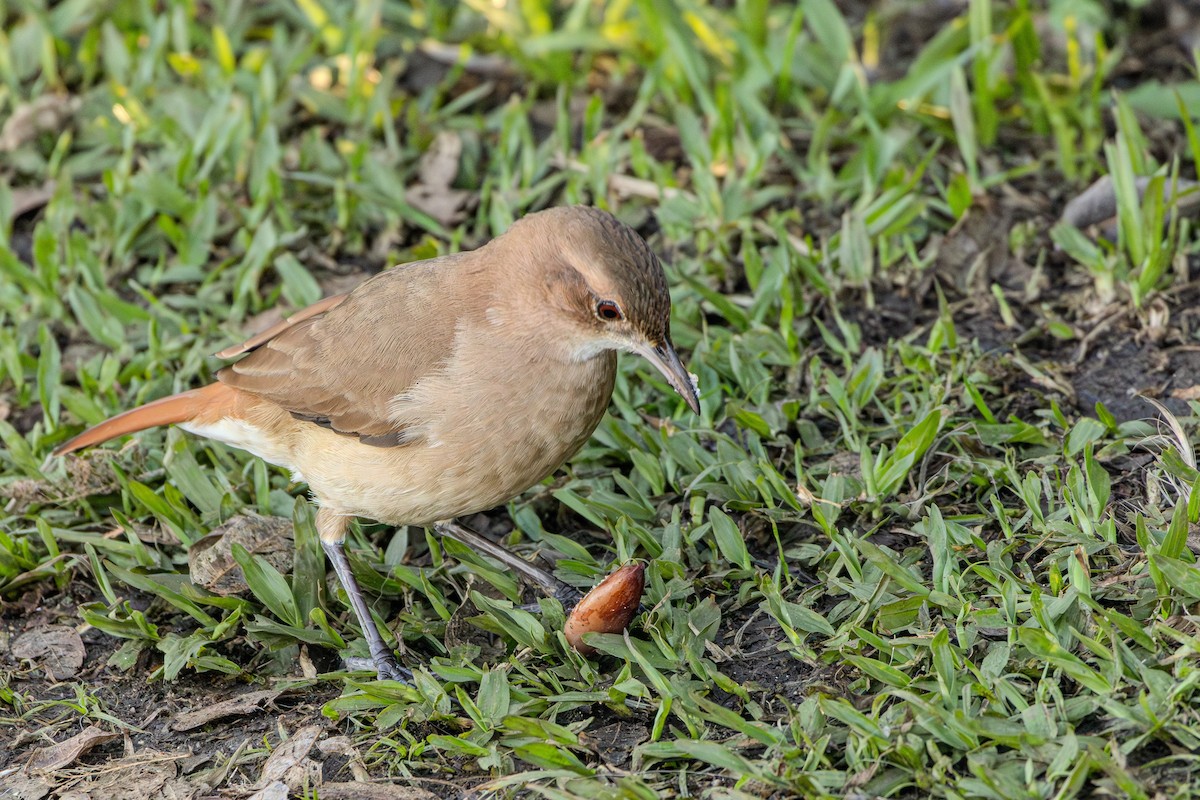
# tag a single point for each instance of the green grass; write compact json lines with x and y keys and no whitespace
{"x":896,"y":555}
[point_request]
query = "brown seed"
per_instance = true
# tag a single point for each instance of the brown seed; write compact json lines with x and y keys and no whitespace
{"x":608,"y":608}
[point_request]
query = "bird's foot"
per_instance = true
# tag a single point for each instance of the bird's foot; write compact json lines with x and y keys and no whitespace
{"x":385,"y":666}
{"x":389,"y":669}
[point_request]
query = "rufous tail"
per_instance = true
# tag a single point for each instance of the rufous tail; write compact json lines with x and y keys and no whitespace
{"x":176,"y":408}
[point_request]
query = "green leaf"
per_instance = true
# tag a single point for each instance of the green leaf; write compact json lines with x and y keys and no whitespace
{"x":551,"y":756}
{"x":910,"y":448}
{"x":308,"y":564}
{"x":493,"y":698}
{"x":168,"y":586}
{"x":884,"y":673}
{"x":519,"y":625}
{"x":891,"y":566}
{"x":269,"y":586}
{"x":721,"y":756}
{"x":1041,"y":646}
{"x":49,"y":377}
{"x":1179,"y":575}
{"x":830,"y":29}
{"x":1085,"y":431}
{"x":729,"y":538}
{"x":185,"y":472}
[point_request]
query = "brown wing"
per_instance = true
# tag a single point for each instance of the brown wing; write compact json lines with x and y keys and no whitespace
{"x":341,"y":365}
{"x":319,"y":307}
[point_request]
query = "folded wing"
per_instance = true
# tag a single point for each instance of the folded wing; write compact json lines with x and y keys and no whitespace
{"x":340,"y":362}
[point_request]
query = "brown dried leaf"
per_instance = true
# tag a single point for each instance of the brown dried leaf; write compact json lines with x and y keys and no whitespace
{"x":436,"y":173}
{"x":23,"y":786}
{"x":439,"y":164}
{"x":344,"y":746}
{"x":143,"y":776}
{"x":45,"y":114}
{"x":289,"y":763}
{"x":90,"y":474}
{"x":57,"y":648}
{"x":248,"y":703}
{"x":272,"y":791}
{"x":210,"y":559}
{"x":447,"y":206}
{"x":66,"y":752}
{"x":1186,"y":393}
{"x":29,"y":198}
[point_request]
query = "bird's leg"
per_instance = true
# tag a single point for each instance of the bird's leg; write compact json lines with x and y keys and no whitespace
{"x":332,"y":528}
{"x":564,"y":593}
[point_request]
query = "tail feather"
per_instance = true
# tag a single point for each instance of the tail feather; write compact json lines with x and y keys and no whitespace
{"x":176,"y":408}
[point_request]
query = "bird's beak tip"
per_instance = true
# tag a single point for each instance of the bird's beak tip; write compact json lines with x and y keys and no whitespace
{"x":692,"y":396}
{"x":666,"y":360}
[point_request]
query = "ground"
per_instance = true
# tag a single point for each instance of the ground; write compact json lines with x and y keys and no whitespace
{"x":931,"y":535}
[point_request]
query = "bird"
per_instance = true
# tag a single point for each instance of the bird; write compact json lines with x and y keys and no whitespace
{"x":439,"y":388}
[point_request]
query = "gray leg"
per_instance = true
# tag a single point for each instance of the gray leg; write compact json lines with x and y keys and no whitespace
{"x":565,"y":594}
{"x":382,"y":656}
{"x":332,"y":529}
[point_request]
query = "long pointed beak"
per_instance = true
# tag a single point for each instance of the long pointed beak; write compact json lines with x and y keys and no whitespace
{"x":666,"y":360}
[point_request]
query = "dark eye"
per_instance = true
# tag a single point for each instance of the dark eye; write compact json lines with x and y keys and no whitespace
{"x":609,"y":311}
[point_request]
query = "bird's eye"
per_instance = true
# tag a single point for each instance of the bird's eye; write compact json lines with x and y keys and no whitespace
{"x":609,"y":311}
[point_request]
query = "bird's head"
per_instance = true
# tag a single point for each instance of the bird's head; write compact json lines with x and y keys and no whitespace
{"x":605,"y":288}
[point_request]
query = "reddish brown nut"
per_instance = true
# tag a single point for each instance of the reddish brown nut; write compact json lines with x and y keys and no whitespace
{"x":608,"y":608}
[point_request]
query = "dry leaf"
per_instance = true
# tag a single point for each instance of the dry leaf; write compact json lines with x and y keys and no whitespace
{"x":46,"y":114}
{"x":23,"y":786}
{"x":273,"y":791}
{"x":436,"y":173}
{"x":447,"y":206}
{"x":344,"y":746}
{"x":439,"y":164}
{"x":307,"y":668}
{"x":248,"y":703}
{"x":210,"y":559}
{"x":88,"y":474}
{"x":60,"y":755}
{"x":143,"y":776}
{"x":1186,"y":393}
{"x":58,"y":648}
{"x":28,"y":198}
{"x":289,"y":763}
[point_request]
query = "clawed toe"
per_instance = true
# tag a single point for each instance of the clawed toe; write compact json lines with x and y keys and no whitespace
{"x":386,"y":667}
{"x":389,"y":670}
